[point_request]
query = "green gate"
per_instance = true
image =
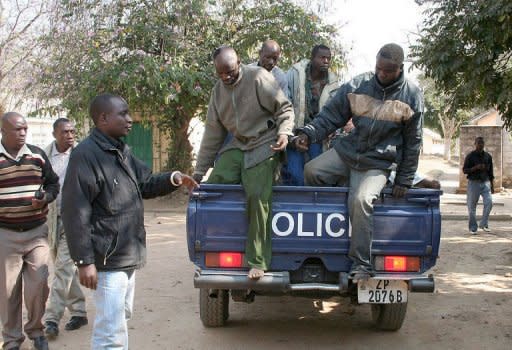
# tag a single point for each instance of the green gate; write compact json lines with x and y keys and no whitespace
{"x":140,"y":140}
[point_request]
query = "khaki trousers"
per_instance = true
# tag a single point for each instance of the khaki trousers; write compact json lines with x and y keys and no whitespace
{"x":65,"y":285}
{"x":23,"y":268}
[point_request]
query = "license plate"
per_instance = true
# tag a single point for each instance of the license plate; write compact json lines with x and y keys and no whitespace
{"x":374,"y":291}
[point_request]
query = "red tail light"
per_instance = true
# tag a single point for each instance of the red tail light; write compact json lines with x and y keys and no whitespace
{"x":397,"y":263}
{"x":224,"y":259}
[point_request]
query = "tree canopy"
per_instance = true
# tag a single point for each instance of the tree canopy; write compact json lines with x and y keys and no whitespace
{"x":440,"y":116}
{"x":466,"y":47}
{"x":157,"y":53}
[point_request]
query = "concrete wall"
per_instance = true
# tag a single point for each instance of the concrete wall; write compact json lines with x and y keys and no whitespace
{"x":493,"y":144}
{"x":507,"y":159}
{"x":492,"y":117}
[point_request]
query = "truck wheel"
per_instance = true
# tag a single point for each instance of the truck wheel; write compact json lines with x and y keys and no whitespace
{"x":213,"y":307}
{"x":389,"y":317}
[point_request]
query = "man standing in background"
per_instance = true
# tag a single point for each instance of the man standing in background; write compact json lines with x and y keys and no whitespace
{"x":310,"y":84}
{"x":478,"y":168}
{"x":269,"y":55}
{"x":28,"y":184}
{"x":65,"y":287}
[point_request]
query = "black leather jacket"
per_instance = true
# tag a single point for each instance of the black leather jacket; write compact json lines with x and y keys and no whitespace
{"x":102,"y":207}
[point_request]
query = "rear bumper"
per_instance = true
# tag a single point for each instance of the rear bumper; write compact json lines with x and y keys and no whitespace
{"x":280,"y":282}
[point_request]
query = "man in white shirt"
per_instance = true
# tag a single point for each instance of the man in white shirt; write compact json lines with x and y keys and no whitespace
{"x":65,"y":287}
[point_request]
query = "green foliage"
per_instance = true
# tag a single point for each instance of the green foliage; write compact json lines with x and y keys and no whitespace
{"x":439,"y":114}
{"x":465,"y":46}
{"x":157,"y":54}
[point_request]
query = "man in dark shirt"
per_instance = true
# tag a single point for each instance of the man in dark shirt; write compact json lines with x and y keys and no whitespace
{"x":478,"y":168}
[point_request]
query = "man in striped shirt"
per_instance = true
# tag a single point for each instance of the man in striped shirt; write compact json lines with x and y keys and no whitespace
{"x":27,"y":185}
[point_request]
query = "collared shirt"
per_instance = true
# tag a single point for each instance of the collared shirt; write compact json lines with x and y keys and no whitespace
{"x":475,"y":158}
{"x":59,"y":163}
{"x":313,"y":93}
{"x":23,"y":151}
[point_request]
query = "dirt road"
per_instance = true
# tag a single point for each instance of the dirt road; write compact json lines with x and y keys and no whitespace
{"x":471,"y":308}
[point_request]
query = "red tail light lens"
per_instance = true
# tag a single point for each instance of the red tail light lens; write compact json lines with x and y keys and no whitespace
{"x":397,"y":263}
{"x":224,"y":259}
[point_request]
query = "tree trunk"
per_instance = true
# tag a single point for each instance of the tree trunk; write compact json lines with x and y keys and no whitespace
{"x":447,"y":147}
{"x":180,"y":149}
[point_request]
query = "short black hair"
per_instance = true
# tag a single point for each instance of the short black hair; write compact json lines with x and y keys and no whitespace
{"x":479,"y":138}
{"x":393,"y":52}
{"x":101,"y":104}
{"x":317,"y":48}
{"x":60,"y":121}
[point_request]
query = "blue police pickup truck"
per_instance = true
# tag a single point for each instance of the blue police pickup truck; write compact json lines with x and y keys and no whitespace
{"x":310,"y":243}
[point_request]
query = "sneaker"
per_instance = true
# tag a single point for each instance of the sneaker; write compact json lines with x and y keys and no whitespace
{"x":51,"y":329}
{"x":473,"y":232}
{"x":486,"y":229}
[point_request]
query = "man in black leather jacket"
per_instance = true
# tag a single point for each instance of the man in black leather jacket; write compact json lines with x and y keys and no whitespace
{"x":103,"y":216}
{"x":386,"y":109}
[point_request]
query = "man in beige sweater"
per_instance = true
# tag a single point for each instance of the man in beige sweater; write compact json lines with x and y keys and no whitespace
{"x":248,"y":103}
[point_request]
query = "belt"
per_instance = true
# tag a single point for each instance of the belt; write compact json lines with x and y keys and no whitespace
{"x":17,"y":229}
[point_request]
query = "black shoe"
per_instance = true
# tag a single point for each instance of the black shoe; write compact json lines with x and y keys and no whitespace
{"x":76,"y":322}
{"x":41,"y":343}
{"x":51,"y":330}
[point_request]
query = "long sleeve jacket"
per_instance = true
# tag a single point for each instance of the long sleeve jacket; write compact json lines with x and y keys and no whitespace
{"x":388,"y":125}
{"x":102,"y":208}
{"x":254,"y":110}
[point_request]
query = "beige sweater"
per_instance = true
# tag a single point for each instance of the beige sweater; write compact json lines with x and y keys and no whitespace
{"x":254,"y":110}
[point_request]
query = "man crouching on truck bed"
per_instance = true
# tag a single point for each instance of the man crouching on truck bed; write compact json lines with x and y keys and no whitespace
{"x":247,"y":102}
{"x":386,"y":109}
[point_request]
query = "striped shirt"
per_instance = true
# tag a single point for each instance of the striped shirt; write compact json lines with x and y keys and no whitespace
{"x":20,"y":178}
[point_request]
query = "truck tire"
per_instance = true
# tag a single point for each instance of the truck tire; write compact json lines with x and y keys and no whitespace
{"x":389,"y":317}
{"x":213,"y":307}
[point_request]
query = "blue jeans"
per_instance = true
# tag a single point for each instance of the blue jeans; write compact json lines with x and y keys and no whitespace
{"x":293,"y":171}
{"x":475,"y":189}
{"x":365,"y":186}
{"x":114,"y":304}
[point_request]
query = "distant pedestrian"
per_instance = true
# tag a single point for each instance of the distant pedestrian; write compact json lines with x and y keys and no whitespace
{"x":478,"y":168}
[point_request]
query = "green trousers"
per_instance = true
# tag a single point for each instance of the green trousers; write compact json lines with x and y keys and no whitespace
{"x":257,"y":183}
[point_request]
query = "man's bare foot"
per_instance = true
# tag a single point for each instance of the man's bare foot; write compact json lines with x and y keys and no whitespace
{"x":255,"y":273}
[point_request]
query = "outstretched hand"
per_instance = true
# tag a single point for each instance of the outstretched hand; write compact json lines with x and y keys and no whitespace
{"x":280,"y":145}
{"x":185,"y":180}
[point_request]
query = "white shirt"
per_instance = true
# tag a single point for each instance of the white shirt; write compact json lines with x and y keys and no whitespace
{"x":59,"y":163}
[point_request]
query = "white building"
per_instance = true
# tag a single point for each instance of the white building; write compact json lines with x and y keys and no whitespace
{"x":39,"y":131}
